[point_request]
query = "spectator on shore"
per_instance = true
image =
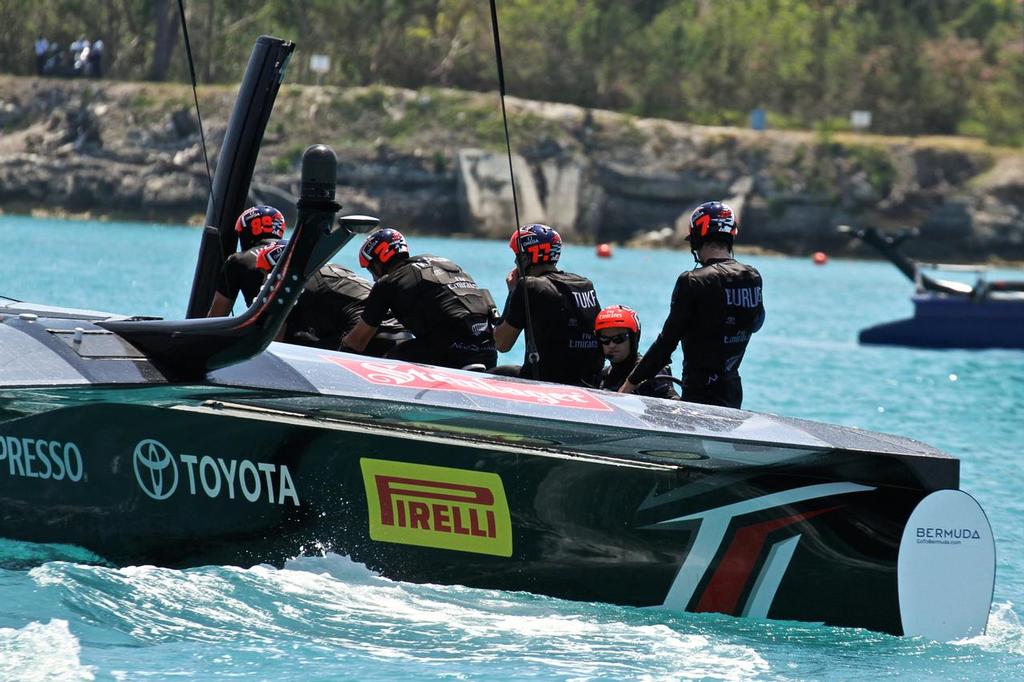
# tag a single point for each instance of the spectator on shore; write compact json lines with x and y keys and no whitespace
{"x":96,"y":59}
{"x":42,"y":50}
{"x":53,"y":65}
{"x":80,"y":57}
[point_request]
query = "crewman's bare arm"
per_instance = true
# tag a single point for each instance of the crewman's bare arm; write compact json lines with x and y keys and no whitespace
{"x":221,"y":306}
{"x":505,"y":336}
{"x":359,"y":337}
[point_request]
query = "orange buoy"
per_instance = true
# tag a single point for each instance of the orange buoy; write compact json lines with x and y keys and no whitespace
{"x":604,"y":250}
{"x":820,"y":258}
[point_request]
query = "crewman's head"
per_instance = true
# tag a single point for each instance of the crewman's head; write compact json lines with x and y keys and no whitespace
{"x":535,"y":244}
{"x":382,"y":249}
{"x":710,"y":222}
{"x":259,"y":222}
{"x":618,"y":329}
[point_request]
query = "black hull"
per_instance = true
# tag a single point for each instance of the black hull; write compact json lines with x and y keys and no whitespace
{"x":955,"y":322}
{"x":435,"y":475}
{"x":217,"y":479}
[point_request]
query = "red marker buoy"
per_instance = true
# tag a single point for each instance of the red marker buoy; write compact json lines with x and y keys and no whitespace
{"x":819,"y":258}
{"x":604,"y":251}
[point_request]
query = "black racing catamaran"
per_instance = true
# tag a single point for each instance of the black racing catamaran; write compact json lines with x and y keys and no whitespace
{"x":184,"y":443}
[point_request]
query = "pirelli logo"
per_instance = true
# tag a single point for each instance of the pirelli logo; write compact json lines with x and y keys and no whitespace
{"x":416,"y":504}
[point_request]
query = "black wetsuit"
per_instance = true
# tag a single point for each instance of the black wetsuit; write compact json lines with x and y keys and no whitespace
{"x":715,"y":309}
{"x":452,"y":318}
{"x":563,"y":307}
{"x":614,"y":375}
{"x":245,"y":271}
{"x":330,"y":305}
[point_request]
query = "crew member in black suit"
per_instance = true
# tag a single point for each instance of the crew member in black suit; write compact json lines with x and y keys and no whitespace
{"x":715,"y":309}
{"x":451,"y":317}
{"x":618,"y":330}
{"x":562,"y":309}
{"x":331,"y":302}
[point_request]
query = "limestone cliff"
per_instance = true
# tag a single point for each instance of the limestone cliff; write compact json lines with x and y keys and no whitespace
{"x":433,"y":161}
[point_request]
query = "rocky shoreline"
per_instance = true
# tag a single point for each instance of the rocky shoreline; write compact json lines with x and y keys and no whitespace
{"x":431,"y":161}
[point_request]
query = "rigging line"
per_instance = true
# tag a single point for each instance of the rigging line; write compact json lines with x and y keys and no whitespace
{"x":504,"y":114}
{"x":195,"y":93}
{"x":532,"y":356}
{"x":202,"y":133}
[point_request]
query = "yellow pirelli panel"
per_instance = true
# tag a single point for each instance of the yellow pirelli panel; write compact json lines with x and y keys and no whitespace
{"x":416,"y":504}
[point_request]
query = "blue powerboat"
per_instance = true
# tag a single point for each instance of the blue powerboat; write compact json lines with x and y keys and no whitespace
{"x":948,"y":313}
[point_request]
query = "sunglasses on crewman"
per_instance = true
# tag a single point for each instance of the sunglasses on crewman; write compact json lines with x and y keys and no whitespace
{"x":618,"y":338}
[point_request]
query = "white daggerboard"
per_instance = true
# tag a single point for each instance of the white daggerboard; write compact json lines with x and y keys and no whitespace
{"x":946,"y":568}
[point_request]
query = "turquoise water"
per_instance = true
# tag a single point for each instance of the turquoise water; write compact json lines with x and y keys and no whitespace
{"x":328,"y":618}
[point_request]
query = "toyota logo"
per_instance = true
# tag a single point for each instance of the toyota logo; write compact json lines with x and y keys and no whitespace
{"x":155,"y":469}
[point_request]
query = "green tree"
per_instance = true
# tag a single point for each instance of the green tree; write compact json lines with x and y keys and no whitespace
{"x":920,"y":66}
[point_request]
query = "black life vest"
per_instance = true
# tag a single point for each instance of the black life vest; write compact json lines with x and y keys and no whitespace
{"x":580,"y":308}
{"x":463,"y":300}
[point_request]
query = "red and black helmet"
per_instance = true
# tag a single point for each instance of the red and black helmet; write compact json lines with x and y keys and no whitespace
{"x":712,"y":220}
{"x":259,"y":222}
{"x":381,"y":246}
{"x":617,"y":316}
{"x":536,"y":244}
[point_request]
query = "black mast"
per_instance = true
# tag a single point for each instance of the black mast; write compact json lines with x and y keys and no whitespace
{"x":235,"y":165}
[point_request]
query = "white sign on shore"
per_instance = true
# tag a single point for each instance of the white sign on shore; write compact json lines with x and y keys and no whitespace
{"x":319,"y":63}
{"x":860,"y":120}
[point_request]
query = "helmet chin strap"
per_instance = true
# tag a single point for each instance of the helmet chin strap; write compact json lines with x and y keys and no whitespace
{"x":696,"y":250}
{"x":696,"y":242}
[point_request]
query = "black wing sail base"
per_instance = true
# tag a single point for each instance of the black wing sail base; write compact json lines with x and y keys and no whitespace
{"x":235,"y":164}
{"x":188,"y":349}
